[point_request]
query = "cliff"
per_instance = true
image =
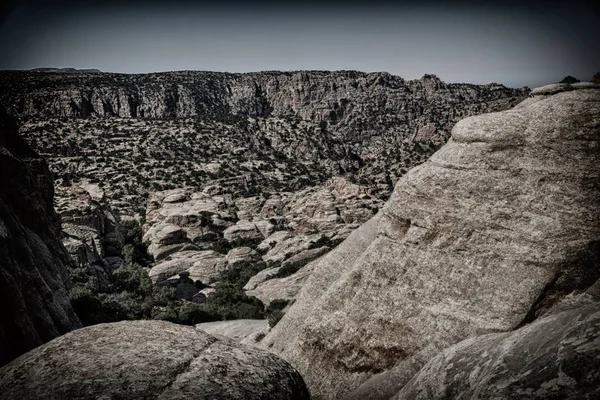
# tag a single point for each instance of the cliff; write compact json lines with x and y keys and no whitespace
{"x":35,"y":305}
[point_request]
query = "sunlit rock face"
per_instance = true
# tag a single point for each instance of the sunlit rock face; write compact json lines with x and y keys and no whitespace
{"x":490,"y":233}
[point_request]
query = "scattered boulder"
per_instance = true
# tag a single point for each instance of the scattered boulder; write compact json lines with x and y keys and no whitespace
{"x":299,"y":260}
{"x":241,"y":256}
{"x":285,"y":288}
{"x":244,"y":233}
{"x":164,"y":239}
{"x":261,"y":277}
{"x":148,"y":359}
{"x":204,"y":266}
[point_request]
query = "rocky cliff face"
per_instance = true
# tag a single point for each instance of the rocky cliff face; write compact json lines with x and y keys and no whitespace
{"x":35,"y":305}
{"x":490,"y":233}
{"x":249,"y":133}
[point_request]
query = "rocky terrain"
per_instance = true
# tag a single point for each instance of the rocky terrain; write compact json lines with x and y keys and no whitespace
{"x":246,"y":133}
{"x":498,"y":228}
{"x":478,"y":277}
{"x":149,"y":360}
{"x":33,"y":263}
{"x":231,"y":175}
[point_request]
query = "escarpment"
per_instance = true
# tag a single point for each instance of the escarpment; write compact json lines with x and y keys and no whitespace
{"x":488,"y":235}
{"x":35,"y":305}
{"x":247,"y":133}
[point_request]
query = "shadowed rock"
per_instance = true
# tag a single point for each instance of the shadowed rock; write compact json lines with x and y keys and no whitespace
{"x":557,"y":357}
{"x":35,"y":307}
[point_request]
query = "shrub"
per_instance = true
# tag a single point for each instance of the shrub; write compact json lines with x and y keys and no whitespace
{"x":569,"y":79}
{"x":596,"y":78}
{"x":231,"y":302}
{"x":275,"y":318}
{"x":276,"y":305}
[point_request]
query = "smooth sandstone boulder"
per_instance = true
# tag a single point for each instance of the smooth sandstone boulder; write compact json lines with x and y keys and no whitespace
{"x":488,"y":234}
{"x":148,"y":359}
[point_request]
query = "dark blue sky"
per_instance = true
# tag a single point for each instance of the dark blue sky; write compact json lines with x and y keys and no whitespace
{"x":512,"y":42}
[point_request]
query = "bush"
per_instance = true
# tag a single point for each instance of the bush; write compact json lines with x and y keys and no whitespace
{"x":229,"y":301}
{"x":239,"y":276}
{"x":569,"y":79}
{"x":286,"y":270}
{"x":275,"y":318}
{"x":276,"y":305}
{"x":596,"y":78}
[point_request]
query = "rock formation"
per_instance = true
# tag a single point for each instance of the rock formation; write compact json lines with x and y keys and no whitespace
{"x":493,"y":231}
{"x":246,"y":133}
{"x":201,"y":234}
{"x":553,"y":358}
{"x":35,"y":307}
{"x":148,"y":359}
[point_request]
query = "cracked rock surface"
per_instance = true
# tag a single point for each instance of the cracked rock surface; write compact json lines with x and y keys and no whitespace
{"x":556,"y":357}
{"x":148,"y":360}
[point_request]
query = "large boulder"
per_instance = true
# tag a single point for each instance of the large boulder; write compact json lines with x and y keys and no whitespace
{"x":487,"y":235}
{"x":35,"y":306}
{"x":242,"y":256}
{"x":201,"y":217}
{"x":285,"y":288}
{"x":244,"y":233}
{"x":557,"y":357}
{"x":204,"y":266}
{"x":148,"y":359}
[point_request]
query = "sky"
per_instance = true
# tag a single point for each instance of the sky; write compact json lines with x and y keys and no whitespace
{"x":516,"y":43}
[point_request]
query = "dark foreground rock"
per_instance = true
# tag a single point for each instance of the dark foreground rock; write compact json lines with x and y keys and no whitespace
{"x":35,"y":307}
{"x":148,"y":360}
{"x":557,"y":357}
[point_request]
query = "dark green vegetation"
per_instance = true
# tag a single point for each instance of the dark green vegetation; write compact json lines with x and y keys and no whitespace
{"x":130,"y":295}
{"x":569,"y":79}
{"x":275,"y":311}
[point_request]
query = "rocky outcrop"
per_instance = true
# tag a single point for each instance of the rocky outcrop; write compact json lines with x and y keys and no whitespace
{"x":486,"y":236}
{"x":182,"y":225}
{"x":557,"y":357}
{"x":148,"y":359}
{"x":285,"y":288}
{"x":35,"y":307}
{"x":92,"y":233}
